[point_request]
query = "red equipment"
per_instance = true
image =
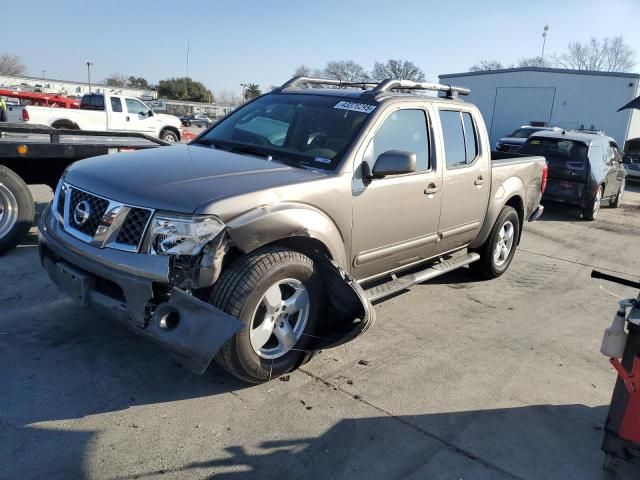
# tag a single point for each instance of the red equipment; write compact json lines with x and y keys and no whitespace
{"x":42,"y":99}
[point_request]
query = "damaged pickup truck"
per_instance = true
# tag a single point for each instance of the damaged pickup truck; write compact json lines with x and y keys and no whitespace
{"x":269,"y":236}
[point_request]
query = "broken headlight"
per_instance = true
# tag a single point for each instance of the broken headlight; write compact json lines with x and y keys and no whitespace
{"x":171,"y":234}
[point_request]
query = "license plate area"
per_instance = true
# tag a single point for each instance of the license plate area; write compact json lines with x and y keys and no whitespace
{"x":70,"y":280}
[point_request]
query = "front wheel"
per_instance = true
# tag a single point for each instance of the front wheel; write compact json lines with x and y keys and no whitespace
{"x":497,"y":251}
{"x":169,"y":136}
{"x":278,"y":294}
{"x":16,"y":209}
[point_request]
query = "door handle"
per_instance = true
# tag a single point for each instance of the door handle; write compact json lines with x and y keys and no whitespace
{"x":479,"y":181}
{"x":127,"y":118}
{"x":431,"y":189}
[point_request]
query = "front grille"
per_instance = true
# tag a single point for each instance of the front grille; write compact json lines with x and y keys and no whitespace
{"x":133,"y":227}
{"x":97,"y":207}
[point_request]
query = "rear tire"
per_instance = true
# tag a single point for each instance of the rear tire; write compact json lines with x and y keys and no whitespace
{"x":498,"y":250}
{"x":16,"y":209}
{"x":617,"y":201}
{"x":592,"y":210}
{"x":256,"y":353}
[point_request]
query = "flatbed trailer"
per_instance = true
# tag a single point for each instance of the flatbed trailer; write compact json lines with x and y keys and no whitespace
{"x":38,"y":154}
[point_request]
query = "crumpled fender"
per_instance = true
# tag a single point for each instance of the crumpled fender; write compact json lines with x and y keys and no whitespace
{"x":282,"y":220}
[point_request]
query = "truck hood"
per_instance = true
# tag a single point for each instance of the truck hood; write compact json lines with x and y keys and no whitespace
{"x":168,"y":119}
{"x":180,"y":178}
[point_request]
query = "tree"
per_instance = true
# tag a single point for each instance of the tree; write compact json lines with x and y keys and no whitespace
{"x":403,"y":70}
{"x":345,"y":70}
{"x":228,"y":98}
{"x":486,"y":65}
{"x":251,"y":91}
{"x":533,"y":62}
{"x":116,"y":80}
{"x":606,"y":55}
{"x":138,"y":82}
{"x":11,"y":65}
{"x":184,"y":89}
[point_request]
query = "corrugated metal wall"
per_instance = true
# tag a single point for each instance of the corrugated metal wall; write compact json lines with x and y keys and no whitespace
{"x":514,"y":98}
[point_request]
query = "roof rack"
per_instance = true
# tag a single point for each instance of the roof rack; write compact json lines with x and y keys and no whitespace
{"x":300,"y":81}
{"x":393,"y":84}
{"x":378,"y":88}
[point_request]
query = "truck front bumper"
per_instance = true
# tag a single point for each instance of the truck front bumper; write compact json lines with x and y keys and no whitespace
{"x":124,"y":285}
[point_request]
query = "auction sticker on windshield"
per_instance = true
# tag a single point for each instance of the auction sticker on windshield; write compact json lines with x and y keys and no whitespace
{"x":355,"y":107}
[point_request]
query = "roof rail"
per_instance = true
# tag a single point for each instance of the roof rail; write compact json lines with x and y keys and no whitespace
{"x":300,"y":81}
{"x":393,"y":84}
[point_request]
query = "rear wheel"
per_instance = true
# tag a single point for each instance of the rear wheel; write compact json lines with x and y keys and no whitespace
{"x":593,"y":209}
{"x":497,"y":251}
{"x":16,"y":209}
{"x":617,"y":201}
{"x":278,"y":294}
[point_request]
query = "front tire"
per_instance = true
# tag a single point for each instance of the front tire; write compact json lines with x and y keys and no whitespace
{"x":618,"y":200}
{"x":498,"y":250}
{"x":16,"y":209}
{"x":278,"y":294}
{"x":169,"y":136}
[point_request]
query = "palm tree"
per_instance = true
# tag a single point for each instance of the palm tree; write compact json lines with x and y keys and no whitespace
{"x":252,"y":91}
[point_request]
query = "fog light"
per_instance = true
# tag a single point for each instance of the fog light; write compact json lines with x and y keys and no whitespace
{"x":22,"y":150}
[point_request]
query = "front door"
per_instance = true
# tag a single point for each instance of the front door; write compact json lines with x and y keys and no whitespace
{"x":467,"y":179}
{"x":139,"y":117}
{"x":395,"y":218}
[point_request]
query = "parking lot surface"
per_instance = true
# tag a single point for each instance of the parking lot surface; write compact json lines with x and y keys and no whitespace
{"x":459,"y":379}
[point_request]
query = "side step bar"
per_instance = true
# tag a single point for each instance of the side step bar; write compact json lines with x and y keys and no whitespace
{"x":397,"y":284}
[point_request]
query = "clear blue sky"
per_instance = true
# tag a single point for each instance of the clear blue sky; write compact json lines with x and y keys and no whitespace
{"x":262,"y":42}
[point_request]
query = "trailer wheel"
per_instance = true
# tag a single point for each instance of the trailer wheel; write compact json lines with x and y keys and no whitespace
{"x":16,"y":209}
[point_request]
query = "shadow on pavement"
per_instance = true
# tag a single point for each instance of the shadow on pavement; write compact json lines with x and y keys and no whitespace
{"x":533,"y":442}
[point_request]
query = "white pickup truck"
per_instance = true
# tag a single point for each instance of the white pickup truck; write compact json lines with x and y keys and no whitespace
{"x":108,"y":113}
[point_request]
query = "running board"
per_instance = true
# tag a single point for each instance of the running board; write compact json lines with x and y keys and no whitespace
{"x":397,"y":284}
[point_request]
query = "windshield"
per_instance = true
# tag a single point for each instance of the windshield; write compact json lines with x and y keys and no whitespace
{"x":524,"y":132}
{"x":303,"y":130}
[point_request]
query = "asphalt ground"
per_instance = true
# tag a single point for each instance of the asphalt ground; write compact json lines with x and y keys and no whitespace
{"x":459,"y":379}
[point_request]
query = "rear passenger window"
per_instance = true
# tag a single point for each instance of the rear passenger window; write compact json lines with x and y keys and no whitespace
{"x":404,"y":130}
{"x":460,"y":140}
{"x":116,"y":104}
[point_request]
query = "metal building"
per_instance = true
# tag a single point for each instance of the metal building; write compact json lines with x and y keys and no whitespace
{"x":570,"y":99}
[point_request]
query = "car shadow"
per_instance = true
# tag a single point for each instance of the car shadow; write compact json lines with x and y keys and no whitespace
{"x":527,"y":443}
{"x":560,"y":212}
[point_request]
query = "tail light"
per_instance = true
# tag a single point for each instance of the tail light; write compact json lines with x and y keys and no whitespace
{"x":25,"y":115}
{"x":545,"y":174}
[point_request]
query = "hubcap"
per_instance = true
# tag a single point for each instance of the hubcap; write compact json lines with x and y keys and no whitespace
{"x":596,"y":202}
{"x":8,"y":210}
{"x":504,"y":244}
{"x":279,"y":319}
{"x":169,"y":139}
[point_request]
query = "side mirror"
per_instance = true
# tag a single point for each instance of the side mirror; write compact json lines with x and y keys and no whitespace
{"x":394,"y":162}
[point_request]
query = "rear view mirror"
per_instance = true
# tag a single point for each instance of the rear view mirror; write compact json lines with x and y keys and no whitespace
{"x":394,"y":162}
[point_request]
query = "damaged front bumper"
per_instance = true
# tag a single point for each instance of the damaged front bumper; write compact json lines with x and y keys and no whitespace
{"x":137,"y":290}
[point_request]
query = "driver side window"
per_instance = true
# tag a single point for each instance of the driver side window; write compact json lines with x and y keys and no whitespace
{"x":136,"y":107}
{"x":404,"y":130}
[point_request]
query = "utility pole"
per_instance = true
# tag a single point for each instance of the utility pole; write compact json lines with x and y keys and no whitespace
{"x":544,"y":42}
{"x":89,"y":65}
{"x":43,"y":75}
{"x":243,"y":85}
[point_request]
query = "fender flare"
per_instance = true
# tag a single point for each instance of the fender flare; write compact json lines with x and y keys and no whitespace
{"x":511,"y":192}
{"x":270,"y":223}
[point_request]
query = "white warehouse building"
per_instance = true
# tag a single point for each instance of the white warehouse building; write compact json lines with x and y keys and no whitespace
{"x":570,"y":99}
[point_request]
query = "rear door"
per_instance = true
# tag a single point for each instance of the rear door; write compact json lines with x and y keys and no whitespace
{"x":116,"y":115}
{"x":467,"y":178}
{"x":395,"y":218}
{"x":615,"y":171}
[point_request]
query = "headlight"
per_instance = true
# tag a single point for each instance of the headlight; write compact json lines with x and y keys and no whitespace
{"x":182,"y":234}
{"x":498,"y":145}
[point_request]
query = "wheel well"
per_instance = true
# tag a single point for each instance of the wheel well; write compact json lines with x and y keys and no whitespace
{"x":171,"y":129}
{"x":516,"y":203}
{"x":68,"y":124}
{"x":309,"y":246}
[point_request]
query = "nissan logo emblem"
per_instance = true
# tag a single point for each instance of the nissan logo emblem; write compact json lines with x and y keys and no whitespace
{"x":82,"y":212}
